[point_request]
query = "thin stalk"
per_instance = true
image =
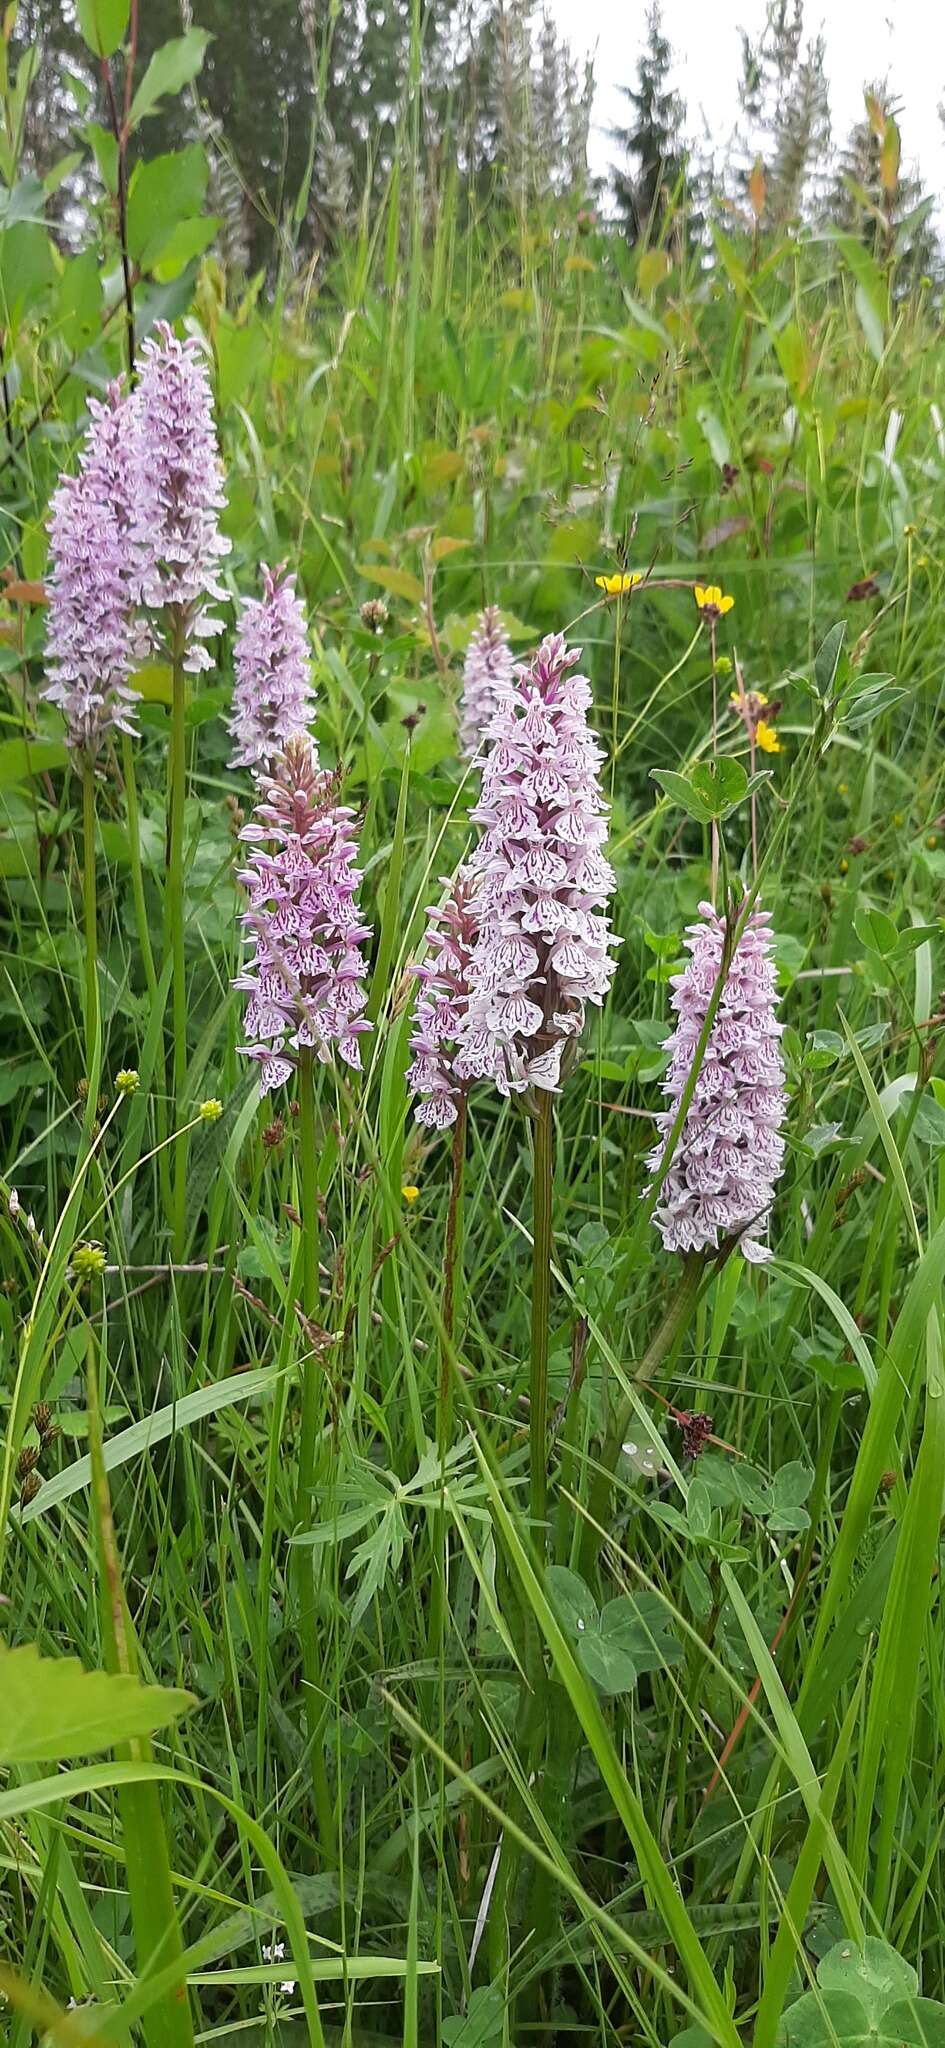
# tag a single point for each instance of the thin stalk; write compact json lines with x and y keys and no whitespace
{"x":174,"y":923}
{"x":543,"y":1161}
{"x":90,"y":910}
{"x":661,"y":1343}
{"x":311,"y":1389}
{"x":137,"y":876}
{"x":157,"y":1933}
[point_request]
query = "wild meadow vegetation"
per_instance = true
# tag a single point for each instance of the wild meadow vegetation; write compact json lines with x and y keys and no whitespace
{"x":442,"y":1602}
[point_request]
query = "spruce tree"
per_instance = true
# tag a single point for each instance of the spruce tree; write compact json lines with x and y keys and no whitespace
{"x":652,"y":139}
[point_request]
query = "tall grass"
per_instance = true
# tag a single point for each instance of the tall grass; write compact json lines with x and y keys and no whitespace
{"x":740,"y":1703}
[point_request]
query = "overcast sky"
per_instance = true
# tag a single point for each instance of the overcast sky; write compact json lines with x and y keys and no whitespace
{"x":862,"y":42}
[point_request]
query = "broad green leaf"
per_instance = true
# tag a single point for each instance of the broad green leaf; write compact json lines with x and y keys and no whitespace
{"x":102,"y":24}
{"x":827,"y":658}
{"x":875,"y":1974}
{"x":51,"y":1709}
{"x":875,"y":930}
{"x":163,"y":192}
{"x":171,"y":68}
{"x":19,"y":759}
{"x":574,"y":1603}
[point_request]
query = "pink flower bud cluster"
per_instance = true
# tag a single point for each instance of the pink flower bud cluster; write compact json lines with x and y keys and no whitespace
{"x":543,"y":951}
{"x":176,"y":531}
{"x":91,"y":638}
{"x":273,"y":699}
{"x":725,"y":1168}
{"x":487,"y":677}
{"x":441,"y":1003}
{"x":305,"y":974}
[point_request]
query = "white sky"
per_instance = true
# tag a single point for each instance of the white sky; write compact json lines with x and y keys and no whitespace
{"x":865,"y":39}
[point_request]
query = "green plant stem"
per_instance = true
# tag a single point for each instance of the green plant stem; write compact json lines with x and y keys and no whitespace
{"x":664,"y":1337}
{"x":137,"y":876}
{"x":147,"y":951}
{"x":311,"y":1388}
{"x":174,"y":925}
{"x":90,"y":910}
{"x":543,"y":1162}
{"x":158,"y":1942}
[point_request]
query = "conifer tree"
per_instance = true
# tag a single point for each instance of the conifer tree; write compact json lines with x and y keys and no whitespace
{"x":652,"y":139}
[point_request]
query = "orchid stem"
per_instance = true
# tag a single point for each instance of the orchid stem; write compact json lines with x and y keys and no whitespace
{"x":311,"y":1381}
{"x":543,"y":1157}
{"x":174,"y":925}
{"x":90,"y":909}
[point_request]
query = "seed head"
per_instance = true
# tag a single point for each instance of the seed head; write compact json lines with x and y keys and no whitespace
{"x":128,"y":1081}
{"x":87,"y":1260}
{"x":210,"y":1111}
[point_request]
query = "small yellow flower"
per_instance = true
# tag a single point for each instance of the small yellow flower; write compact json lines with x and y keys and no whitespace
{"x":712,"y":602}
{"x":767,"y":738}
{"x":127,"y":1081}
{"x":618,"y":586}
{"x":410,"y":1194}
{"x":210,"y":1110}
{"x":844,"y":867}
{"x":87,"y":1259}
{"x":754,"y":699}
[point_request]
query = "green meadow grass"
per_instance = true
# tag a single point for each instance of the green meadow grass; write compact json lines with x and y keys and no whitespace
{"x":739,"y":1761}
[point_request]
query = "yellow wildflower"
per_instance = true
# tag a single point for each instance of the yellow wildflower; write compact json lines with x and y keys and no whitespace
{"x":410,"y":1193}
{"x":712,"y":602}
{"x":619,"y":586}
{"x":752,"y":699}
{"x":767,"y":738}
{"x":211,"y":1110}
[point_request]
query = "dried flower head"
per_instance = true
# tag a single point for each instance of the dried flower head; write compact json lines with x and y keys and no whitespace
{"x":305,"y":976}
{"x":176,"y":532}
{"x":273,"y":700}
{"x":544,"y":945}
{"x":441,"y":1004}
{"x":487,"y":677}
{"x":92,"y":640}
{"x":375,"y":615}
{"x":724,"y":1171}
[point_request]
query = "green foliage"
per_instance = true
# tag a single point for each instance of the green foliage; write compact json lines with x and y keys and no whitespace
{"x":51,"y":1710}
{"x":862,"y":1995}
{"x":638,"y":1794}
